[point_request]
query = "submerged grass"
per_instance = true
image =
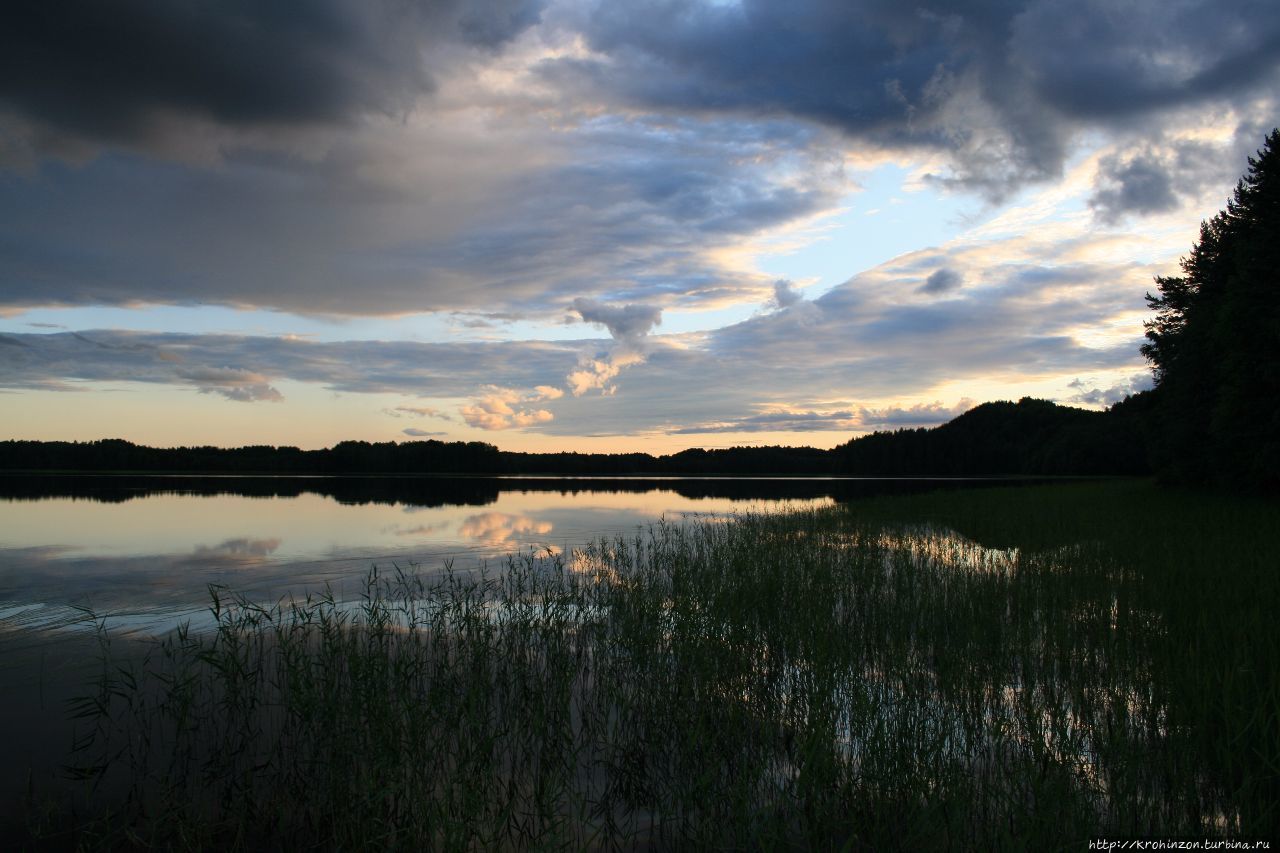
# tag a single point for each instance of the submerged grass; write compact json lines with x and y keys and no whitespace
{"x":1007,"y":668}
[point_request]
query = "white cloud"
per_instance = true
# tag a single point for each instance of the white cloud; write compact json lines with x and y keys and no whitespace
{"x":498,"y":408}
{"x":594,"y":374}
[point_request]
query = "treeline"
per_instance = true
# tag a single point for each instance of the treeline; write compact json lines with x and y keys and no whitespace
{"x":1030,"y":437}
{"x":412,"y":457}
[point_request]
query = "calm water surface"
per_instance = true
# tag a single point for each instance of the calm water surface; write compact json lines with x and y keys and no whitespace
{"x":141,"y":552}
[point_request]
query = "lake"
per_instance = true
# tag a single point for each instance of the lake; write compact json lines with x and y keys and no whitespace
{"x":140,"y":552}
{"x":1020,"y":652}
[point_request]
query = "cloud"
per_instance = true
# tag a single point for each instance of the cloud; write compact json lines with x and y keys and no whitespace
{"x":419,"y":411}
{"x":1056,"y":300}
{"x":1002,"y":89}
{"x":487,"y":209}
{"x":243,"y":386}
{"x":1093,"y":396}
{"x":1161,"y":175}
{"x":628,"y":325}
{"x":49,"y":361}
{"x":121,"y":71}
{"x":500,"y":408}
{"x":594,"y":374}
{"x":1140,"y":184}
{"x":785,"y":294}
{"x":918,"y":415}
{"x":856,"y":419}
{"x":421,"y":433}
{"x":510,"y":156}
{"x":941,"y":281}
{"x":781,"y":421}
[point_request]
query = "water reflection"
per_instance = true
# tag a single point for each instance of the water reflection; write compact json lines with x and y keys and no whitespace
{"x":942,"y":546}
{"x":499,"y":528}
{"x":142,"y":551}
{"x":419,"y":491}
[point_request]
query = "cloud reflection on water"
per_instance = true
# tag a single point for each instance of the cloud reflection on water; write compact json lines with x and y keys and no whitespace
{"x":149,"y":561}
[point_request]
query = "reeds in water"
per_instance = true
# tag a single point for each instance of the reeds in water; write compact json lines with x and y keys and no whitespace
{"x":828,"y":679}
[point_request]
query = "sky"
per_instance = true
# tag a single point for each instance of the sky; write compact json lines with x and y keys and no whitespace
{"x":599,"y":226}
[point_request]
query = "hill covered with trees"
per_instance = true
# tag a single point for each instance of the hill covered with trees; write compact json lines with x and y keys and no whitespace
{"x":1027,"y":437}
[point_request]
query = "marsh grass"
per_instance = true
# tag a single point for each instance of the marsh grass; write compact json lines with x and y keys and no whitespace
{"x":1012,"y":668}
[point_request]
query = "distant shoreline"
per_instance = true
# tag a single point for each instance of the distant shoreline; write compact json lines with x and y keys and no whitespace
{"x":480,"y":475}
{"x":1002,"y":439}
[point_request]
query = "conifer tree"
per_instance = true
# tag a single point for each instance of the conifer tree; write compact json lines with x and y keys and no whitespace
{"x":1215,"y":342}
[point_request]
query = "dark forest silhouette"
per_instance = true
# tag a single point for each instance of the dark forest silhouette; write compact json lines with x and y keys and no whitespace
{"x":1033,"y":437}
{"x":1215,"y":343}
{"x":1212,"y":418}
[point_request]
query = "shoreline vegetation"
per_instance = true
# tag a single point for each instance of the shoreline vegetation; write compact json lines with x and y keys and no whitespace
{"x":1009,"y":668}
{"x":1030,"y":437}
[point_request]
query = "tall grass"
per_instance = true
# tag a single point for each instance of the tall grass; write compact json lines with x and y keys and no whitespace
{"x":1089,"y":659}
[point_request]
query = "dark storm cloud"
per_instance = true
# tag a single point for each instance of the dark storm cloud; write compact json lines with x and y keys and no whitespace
{"x":1002,"y":86}
{"x":108,"y":70}
{"x":1101,"y":59}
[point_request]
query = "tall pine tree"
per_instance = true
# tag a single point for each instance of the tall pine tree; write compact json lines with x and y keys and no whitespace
{"x":1215,"y":342}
